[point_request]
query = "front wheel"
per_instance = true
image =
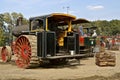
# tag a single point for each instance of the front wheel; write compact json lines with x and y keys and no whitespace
{"x":6,"y":53}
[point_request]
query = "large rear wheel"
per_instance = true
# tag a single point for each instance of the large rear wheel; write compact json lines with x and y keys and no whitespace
{"x":26,"y":50}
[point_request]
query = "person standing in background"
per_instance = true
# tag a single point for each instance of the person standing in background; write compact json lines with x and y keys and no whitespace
{"x":80,"y":30}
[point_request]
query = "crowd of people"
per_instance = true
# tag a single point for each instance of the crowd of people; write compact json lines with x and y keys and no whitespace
{"x":111,"y":42}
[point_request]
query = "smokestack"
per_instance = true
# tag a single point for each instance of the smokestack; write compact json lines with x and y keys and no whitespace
{"x":19,"y":21}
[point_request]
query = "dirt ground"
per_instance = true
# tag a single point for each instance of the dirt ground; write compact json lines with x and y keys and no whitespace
{"x":86,"y":70}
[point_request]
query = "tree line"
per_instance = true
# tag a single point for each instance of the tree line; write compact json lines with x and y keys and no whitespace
{"x":107,"y":28}
{"x":8,"y":21}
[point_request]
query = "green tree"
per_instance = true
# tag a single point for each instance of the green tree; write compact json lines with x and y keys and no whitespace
{"x":2,"y":37}
{"x":115,"y":27}
{"x":1,"y":20}
{"x":107,"y":27}
{"x":10,"y":19}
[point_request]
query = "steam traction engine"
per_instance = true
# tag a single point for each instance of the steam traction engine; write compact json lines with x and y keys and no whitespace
{"x":43,"y":40}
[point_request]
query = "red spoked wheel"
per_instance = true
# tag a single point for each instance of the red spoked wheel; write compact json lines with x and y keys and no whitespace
{"x":23,"y":52}
{"x":6,"y":54}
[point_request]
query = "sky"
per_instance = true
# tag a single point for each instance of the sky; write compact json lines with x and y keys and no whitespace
{"x":88,"y":9}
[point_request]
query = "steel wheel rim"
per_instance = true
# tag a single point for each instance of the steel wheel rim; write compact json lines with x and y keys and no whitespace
{"x":4,"y":54}
{"x":23,"y":52}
